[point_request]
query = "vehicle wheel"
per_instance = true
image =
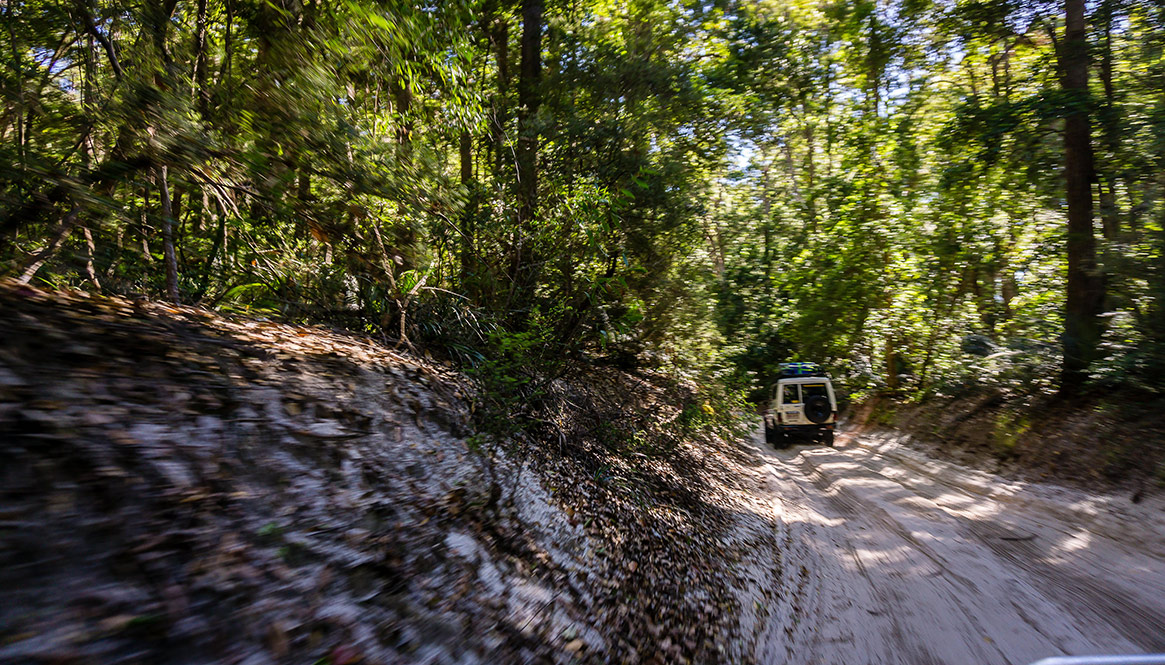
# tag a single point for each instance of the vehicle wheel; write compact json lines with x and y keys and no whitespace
{"x":827,"y":438}
{"x":770,"y":434}
{"x":782,"y":440}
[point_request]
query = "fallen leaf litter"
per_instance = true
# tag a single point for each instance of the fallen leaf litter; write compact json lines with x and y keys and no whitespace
{"x":184,"y":487}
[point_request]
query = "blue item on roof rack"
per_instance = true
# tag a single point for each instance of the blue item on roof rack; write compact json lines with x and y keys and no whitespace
{"x":800,"y":369}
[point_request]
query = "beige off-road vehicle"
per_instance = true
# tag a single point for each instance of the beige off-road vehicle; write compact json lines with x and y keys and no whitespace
{"x":801,"y":405}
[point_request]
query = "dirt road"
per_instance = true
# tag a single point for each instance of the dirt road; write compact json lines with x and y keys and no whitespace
{"x":888,"y":556}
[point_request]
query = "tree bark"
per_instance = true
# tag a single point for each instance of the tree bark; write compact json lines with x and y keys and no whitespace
{"x":1085,"y":288}
{"x":766,"y":226}
{"x":144,"y":225}
{"x":529,"y":98}
{"x":467,"y":216}
{"x":402,"y":97}
{"x":87,"y":24}
{"x":891,"y":365}
{"x":169,"y":257}
{"x":1109,"y":213}
{"x":91,"y":248}
{"x":224,"y":70}
{"x":501,"y":40}
{"x":9,"y":10}
{"x":201,"y":93}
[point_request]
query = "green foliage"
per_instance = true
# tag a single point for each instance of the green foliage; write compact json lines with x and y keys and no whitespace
{"x":894,"y":201}
{"x":511,"y":374}
{"x":717,"y":410}
{"x":1009,"y":430}
{"x":884,"y":414}
{"x":719,"y":188}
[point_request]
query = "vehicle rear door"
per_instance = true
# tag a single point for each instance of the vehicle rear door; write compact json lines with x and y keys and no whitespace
{"x":791,"y":407}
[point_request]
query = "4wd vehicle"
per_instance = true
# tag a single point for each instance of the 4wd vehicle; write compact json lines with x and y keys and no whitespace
{"x":801,"y":404}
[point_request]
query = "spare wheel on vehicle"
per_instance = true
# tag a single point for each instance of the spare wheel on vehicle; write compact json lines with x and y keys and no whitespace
{"x":817,"y":409}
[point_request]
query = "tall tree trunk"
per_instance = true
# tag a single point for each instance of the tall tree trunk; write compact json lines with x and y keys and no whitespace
{"x":529,"y":98}
{"x":144,"y":225}
{"x":11,"y":22}
{"x":1109,"y":213}
{"x":891,"y":365}
{"x":91,"y":248}
{"x":467,"y":216}
{"x":171,"y":260}
{"x":402,"y":97}
{"x":157,"y":24}
{"x":303,"y":198}
{"x":224,"y":69}
{"x":1085,"y":290}
{"x":201,"y":93}
{"x":767,"y":226}
{"x":500,"y":36}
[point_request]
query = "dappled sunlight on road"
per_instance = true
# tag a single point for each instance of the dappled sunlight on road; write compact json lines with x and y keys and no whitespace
{"x":905,"y":559}
{"x":1075,"y":543}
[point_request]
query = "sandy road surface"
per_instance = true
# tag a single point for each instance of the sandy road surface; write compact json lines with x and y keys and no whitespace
{"x":888,"y":556}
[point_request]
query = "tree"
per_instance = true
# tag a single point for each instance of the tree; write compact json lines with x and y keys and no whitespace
{"x":883,"y":186}
{"x":524,"y":261}
{"x":1085,"y":288}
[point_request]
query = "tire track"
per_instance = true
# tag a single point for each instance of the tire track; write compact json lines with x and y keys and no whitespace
{"x":910,"y":566}
{"x":1091,"y":600}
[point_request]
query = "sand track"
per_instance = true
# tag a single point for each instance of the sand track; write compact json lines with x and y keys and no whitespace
{"x":888,"y":556}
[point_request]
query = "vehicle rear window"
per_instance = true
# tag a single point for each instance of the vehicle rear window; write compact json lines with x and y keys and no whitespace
{"x":790,"y":395}
{"x":813,"y":389}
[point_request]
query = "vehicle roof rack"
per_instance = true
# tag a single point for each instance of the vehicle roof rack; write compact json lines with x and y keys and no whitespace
{"x":788,"y":370}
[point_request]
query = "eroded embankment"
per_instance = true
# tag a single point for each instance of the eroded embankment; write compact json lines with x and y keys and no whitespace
{"x":1103,"y":441}
{"x":182,"y":487}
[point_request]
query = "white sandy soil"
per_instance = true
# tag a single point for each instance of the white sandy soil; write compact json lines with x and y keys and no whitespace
{"x":888,"y":556}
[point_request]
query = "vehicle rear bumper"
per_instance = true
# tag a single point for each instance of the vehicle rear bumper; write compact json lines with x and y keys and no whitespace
{"x":806,"y":428}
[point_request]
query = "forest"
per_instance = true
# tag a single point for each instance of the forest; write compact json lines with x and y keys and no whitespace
{"x":369,"y":331}
{"x":923,"y":195}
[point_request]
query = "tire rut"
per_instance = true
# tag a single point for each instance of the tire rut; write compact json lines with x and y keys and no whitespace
{"x":1091,"y":600}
